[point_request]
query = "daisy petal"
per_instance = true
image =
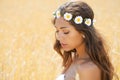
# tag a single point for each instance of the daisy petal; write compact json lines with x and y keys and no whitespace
{"x":88,"y":21}
{"x":78,"y":20}
{"x":68,"y":16}
{"x":58,"y":14}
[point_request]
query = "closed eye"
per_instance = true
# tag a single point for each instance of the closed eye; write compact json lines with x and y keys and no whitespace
{"x":66,"y":32}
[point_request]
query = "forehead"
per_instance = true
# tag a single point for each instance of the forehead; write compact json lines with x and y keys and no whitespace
{"x":60,"y":22}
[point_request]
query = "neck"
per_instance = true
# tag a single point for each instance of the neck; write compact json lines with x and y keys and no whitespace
{"x":81,"y":51}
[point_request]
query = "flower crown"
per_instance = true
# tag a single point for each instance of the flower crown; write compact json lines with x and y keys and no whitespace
{"x":78,"y":19}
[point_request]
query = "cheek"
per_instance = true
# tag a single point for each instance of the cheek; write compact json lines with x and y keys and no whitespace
{"x":75,"y":40}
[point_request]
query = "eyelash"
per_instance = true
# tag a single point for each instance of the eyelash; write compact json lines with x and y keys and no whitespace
{"x":63,"y":32}
{"x":66,"y":32}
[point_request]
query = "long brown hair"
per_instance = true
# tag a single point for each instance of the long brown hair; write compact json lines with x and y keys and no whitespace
{"x":94,"y":44}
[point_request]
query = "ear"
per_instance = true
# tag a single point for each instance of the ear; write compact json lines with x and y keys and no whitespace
{"x":83,"y":35}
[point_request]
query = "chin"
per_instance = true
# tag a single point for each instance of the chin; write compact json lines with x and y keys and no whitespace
{"x":67,"y":49}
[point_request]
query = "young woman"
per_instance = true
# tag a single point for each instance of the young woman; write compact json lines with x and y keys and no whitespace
{"x":79,"y":44}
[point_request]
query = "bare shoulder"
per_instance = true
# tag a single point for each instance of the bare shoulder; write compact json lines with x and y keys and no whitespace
{"x":89,"y":71}
{"x":89,"y":66}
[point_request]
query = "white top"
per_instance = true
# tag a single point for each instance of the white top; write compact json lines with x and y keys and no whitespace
{"x":72,"y":72}
{"x":61,"y":77}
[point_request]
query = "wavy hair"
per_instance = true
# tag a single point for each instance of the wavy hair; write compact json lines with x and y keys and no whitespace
{"x":94,"y":44}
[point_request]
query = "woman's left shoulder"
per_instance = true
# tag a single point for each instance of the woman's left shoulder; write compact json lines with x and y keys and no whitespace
{"x":90,"y":71}
{"x":91,"y":67}
{"x":87,"y":65}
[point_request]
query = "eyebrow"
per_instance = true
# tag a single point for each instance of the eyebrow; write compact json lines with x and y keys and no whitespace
{"x":62,"y":27}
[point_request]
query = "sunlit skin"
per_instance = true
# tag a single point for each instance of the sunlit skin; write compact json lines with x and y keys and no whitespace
{"x":69,"y":39}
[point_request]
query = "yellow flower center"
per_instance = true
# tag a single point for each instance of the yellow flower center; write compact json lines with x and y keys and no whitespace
{"x":58,"y":14}
{"x":68,"y":16}
{"x":78,"y":20}
{"x":87,"y":22}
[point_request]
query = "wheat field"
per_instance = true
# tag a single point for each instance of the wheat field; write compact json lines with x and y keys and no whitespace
{"x":27,"y":37}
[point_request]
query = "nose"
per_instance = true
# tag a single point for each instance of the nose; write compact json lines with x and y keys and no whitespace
{"x":59,"y":36}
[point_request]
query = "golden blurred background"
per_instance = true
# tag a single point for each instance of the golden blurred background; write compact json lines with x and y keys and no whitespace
{"x":27,"y":37}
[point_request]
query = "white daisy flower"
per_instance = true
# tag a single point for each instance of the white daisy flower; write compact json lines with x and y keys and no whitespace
{"x":78,"y":20}
{"x":58,"y":14}
{"x":68,"y":16}
{"x":54,"y":14}
{"x":94,"y":21}
{"x":88,"y":21}
{"x":61,"y":77}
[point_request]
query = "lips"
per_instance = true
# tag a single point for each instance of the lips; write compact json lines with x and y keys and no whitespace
{"x":63,"y":45}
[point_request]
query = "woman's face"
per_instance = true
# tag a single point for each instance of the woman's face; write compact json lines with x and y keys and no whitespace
{"x":67,"y":35}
